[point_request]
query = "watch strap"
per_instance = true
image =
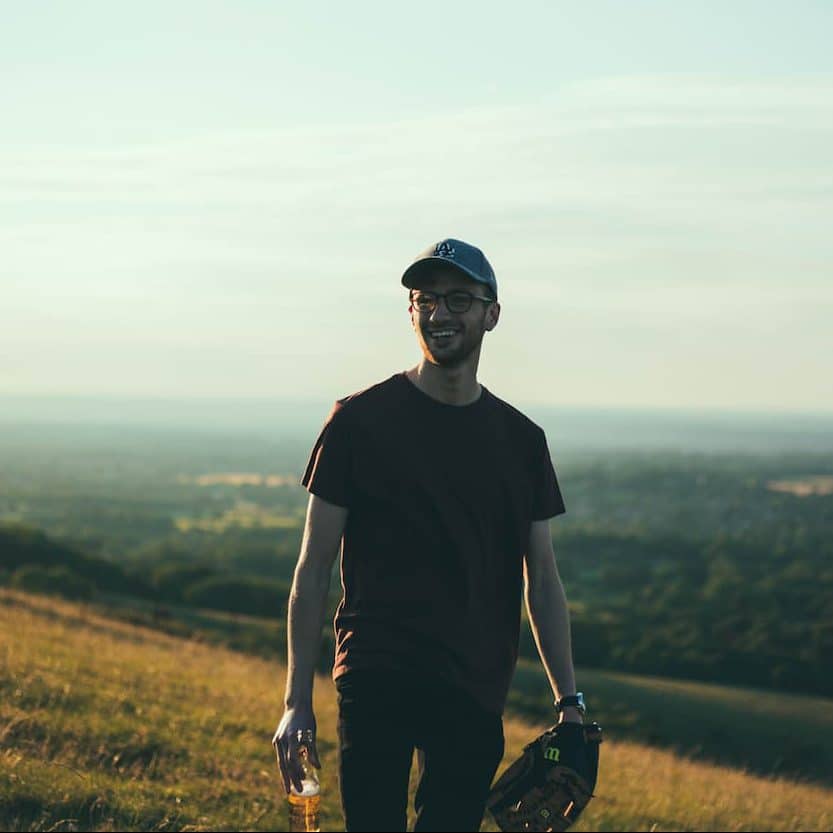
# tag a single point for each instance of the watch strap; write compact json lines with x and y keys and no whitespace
{"x":575,"y":701}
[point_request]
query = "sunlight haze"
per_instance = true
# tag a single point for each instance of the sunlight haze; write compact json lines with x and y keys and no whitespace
{"x":218,"y":199}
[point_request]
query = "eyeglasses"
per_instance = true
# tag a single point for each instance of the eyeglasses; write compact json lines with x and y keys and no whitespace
{"x":458,"y":300}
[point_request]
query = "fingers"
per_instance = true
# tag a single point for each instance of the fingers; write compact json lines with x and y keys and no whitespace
{"x":292,"y":772}
{"x":283,"y":764}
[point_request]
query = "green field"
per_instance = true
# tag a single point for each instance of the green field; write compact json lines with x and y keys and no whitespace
{"x":244,"y":516}
{"x":765,"y":732}
{"x":106,"y":725}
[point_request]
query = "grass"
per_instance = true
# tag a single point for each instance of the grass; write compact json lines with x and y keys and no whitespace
{"x":105,"y":725}
{"x":765,"y":732}
{"x":244,"y":515}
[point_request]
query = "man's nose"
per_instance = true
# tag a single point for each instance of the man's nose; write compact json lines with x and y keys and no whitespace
{"x":441,"y":311}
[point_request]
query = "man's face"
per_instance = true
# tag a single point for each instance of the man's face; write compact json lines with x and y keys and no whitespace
{"x":449,"y":338}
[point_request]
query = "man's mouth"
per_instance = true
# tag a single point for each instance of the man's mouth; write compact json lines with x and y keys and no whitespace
{"x":442,"y":335}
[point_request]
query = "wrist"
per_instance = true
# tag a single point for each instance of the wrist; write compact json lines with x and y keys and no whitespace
{"x":573,"y":702}
{"x":570,"y":714}
{"x":298,"y":703}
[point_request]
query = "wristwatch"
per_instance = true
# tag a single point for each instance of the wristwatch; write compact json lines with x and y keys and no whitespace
{"x":575,"y":701}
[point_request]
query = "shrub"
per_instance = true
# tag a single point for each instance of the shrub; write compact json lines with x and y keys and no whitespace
{"x":54,"y":581}
{"x":237,"y":594}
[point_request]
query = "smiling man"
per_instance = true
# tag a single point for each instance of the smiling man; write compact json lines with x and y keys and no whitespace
{"x":438,"y":495}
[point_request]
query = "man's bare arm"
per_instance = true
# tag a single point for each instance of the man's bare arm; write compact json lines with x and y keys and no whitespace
{"x":320,"y":546}
{"x":308,"y":598}
{"x":549,"y":617}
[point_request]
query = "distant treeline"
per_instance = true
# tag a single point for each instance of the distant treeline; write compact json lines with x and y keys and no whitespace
{"x":746,"y":611}
{"x":31,"y":561}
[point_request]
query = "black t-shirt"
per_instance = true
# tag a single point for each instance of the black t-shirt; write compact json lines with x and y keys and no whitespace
{"x":440,"y":499}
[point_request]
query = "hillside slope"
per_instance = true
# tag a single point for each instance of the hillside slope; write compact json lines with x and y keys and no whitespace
{"x":110,"y":726}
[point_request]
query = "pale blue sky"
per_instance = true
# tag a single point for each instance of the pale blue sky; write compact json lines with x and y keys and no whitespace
{"x":218,"y":199}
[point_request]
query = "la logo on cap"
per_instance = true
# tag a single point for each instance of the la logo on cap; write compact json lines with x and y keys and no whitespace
{"x":444,"y":249}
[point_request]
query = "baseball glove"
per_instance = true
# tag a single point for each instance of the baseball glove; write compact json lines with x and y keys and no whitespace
{"x":549,"y":785}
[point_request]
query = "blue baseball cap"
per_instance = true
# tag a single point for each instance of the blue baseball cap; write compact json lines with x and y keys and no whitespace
{"x":462,"y":256}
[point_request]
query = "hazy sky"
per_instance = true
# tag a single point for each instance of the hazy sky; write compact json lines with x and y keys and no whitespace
{"x":219,"y":198}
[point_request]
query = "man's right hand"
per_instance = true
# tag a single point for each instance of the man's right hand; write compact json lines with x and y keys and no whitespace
{"x":287,"y":739}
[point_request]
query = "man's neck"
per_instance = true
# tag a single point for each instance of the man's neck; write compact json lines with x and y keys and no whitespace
{"x":451,"y":386}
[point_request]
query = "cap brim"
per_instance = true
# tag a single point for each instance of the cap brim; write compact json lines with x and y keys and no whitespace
{"x":412,"y":274}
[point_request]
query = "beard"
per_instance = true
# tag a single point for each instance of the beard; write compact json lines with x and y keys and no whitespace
{"x":453,"y":353}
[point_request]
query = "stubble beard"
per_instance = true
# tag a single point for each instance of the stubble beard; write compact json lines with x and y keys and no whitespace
{"x":450,"y":358}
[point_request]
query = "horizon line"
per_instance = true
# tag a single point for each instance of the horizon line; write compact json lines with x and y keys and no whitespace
{"x":237,"y":399}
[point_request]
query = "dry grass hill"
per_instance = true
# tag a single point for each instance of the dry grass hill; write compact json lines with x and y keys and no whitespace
{"x":109,"y":726}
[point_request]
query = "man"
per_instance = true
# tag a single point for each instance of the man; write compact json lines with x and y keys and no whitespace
{"x":439,"y":495}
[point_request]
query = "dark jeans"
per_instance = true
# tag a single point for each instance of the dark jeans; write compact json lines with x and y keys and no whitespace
{"x":383,"y":717}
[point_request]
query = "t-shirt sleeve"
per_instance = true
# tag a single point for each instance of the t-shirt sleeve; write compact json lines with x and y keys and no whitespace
{"x":547,"y":501}
{"x":329,"y":470}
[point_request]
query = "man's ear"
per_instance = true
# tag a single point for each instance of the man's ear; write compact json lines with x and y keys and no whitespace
{"x":492,"y":316}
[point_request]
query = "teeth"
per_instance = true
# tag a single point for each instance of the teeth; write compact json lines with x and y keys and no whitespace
{"x":443,"y":333}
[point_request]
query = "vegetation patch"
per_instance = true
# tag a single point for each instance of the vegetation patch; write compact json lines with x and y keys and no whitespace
{"x":192,"y":751}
